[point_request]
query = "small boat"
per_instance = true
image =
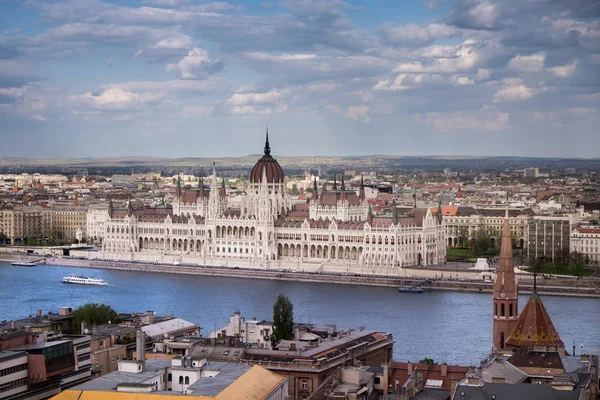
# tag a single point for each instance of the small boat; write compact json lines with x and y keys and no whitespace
{"x":412,"y":289}
{"x":24,"y":263}
{"x":84,"y":280}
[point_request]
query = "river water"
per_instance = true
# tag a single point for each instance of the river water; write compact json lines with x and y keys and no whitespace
{"x":449,"y":327}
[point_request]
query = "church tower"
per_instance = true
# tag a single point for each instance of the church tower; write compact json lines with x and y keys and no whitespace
{"x":506,"y":294}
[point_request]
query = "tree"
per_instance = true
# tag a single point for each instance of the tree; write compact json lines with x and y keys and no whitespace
{"x":92,"y":314}
{"x":283,"y":320}
{"x":427,"y":361}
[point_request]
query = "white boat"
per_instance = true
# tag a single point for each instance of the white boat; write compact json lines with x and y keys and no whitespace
{"x":24,"y":263}
{"x":84,"y":280}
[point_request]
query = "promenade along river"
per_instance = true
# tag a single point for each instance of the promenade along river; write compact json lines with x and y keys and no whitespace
{"x":449,"y":327}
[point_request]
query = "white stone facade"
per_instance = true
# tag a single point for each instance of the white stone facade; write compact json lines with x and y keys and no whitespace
{"x":266,"y":232}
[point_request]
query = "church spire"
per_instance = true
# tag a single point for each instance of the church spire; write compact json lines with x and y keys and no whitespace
{"x":178,"y":189}
{"x":315,"y":194}
{"x":414,"y":197}
{"x":361,"y":195}
{"x":267,"y":147}
{"x":506,"y":296}
{"x":334,"y":181}
{"x":394,"y":213}
{"x":223,"y":193}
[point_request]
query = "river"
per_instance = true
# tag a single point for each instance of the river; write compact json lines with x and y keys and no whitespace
{"x":449,"y":327}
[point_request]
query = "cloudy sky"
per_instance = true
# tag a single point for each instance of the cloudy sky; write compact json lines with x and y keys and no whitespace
{"x":185,"y":78}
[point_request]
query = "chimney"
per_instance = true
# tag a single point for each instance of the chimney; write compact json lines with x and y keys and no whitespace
{"x":444,"y":369}
{"x":409,"y":368}
{"x":12,"y":324}
{"x":38,"y":313}
{"x":140,"y":347}
{"x":83,"y":327}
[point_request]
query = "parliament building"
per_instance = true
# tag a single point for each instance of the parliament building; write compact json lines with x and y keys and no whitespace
{"x":334,"y":231}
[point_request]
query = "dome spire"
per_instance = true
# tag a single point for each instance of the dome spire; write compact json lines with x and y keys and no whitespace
{"x":267,"y":147}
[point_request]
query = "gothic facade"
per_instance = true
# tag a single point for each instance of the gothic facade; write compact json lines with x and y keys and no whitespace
{"x":334,"y":231}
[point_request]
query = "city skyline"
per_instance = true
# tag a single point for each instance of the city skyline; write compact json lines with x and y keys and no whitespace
{"x":183,"y":78}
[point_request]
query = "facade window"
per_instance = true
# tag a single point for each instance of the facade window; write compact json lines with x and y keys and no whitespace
{"x":304,"y":384}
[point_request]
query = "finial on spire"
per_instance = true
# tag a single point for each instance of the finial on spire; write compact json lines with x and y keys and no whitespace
{"x":535,"y":282}
{"x":343,"y":186}
{"x":267,"y":147}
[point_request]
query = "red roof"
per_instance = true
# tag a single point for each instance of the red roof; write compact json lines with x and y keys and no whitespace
{"x":534,"y":327}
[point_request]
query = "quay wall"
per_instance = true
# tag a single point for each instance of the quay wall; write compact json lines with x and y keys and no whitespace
{"x":461,"y":281}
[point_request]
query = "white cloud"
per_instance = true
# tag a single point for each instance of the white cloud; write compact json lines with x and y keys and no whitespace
{"x":464,"y":59}
{"x":564,"y":71}
{"x":12,"y":92}
{"x":258,"y":110}
{"x":513,"y":91}
{"x":358,"y":113}
{"x":117,"y":98}
{"x":413,"y":34}
{"x":270,"y":97}
{"x":176,"y":42}
{"x":196,"y":65}
{"x":486,"y":119}
{"x":463,"y":80}
{"x":256,"y":55}
{"x":532,"y":63}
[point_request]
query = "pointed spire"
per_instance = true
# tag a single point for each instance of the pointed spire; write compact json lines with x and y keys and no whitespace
{"x":370,"y":216}
{"x":334,"y":181}
{"x":439,"y":212}
{"x":343,"y":186}
{"x":267,"y":147}
{"x":223,"y":193}
{"x":110,"y":207}
{"x":178,"y":189}
{"x":315,"y":194}
{"x":202,"y":192}
{"x":394,"y":213}
{"x":76,"y":201}
{"x":361,"y":195}
{"x":414,"y":197}
{"x":129,"y":207}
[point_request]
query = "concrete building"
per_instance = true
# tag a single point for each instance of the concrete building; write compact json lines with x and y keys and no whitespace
{"x":312,"y":364}
{"x":253,"y":331}
{"x":550,"y":236}
{"x":13,"y":373}
{"x":586,"y":242}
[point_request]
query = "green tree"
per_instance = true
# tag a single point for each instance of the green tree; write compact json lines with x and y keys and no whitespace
{"x":283,"y":320}
{"x":92,"y":314}
{"x":427,"y":361}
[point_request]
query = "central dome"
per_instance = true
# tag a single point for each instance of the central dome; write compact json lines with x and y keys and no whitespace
{"x":269,"y":165}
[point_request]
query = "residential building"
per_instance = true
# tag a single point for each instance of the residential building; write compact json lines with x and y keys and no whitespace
{"x":13,"y":373}
{"x":253,"y":331}
{"x":585,"y":241}
{"x":312,"y":363}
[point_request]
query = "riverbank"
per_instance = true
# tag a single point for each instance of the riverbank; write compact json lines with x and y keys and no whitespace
{"x":429,"y":279}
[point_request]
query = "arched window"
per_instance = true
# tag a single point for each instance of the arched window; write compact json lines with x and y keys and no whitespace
{"x":495,"y":309}
{"x":502,"y":312}
{"x":510,"y":310}
{"x":181,"y":379}
{"x":170,"y":377}
{"x":187,"y":380}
